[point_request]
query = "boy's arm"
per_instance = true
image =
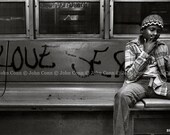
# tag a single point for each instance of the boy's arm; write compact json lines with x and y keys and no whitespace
{"x":134,"y":65}
{"x":167,"y":62}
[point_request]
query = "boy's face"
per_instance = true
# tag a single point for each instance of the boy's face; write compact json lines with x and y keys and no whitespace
{"x":151,"y":32}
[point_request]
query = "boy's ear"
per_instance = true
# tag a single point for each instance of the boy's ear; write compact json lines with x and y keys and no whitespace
{"x":141,"y":31}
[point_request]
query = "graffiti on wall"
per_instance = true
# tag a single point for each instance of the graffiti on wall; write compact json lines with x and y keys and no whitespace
{"x":23,"y":58}
{"x":91,"y":64}
{"x":20,"y":58}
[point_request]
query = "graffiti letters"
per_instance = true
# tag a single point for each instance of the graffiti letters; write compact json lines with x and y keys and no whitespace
{"x":26,"y":59}
{"x":18,"y":58}
{"x":91,"y":63}
{"x":42,"y":56}
{"x":1,"y":51}
{"x":13,"y":64}
{"x":121,"y":65}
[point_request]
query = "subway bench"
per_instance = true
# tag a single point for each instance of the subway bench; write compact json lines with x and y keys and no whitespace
{"x":79,"y":96}
{"x":149,"y":116}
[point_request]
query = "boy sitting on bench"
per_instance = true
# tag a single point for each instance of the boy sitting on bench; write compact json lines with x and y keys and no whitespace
{"x":147,"y":63}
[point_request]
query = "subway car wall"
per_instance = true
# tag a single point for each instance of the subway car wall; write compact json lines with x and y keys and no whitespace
{"x":59,"y":61}
{"x":62,"y":61}
{"x":28,"y":69}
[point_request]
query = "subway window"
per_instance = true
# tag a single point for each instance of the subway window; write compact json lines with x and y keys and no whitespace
{"x":128,"y":15}
{"x":13,"y":18}
{"x":71,"y":17}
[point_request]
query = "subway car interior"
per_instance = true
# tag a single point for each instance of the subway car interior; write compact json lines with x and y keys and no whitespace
{"x":62,"y":61}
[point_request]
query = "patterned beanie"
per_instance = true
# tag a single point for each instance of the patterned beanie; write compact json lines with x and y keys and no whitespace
{"x":152,"y":20}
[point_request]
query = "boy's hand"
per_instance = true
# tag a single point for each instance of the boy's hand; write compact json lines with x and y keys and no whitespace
{"x":149,"y":45}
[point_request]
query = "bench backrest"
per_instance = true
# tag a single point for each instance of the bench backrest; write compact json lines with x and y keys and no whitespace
{"x":54,"y":61}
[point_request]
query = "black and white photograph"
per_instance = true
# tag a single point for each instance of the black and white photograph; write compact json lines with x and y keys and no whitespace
{"x":84,"y":67}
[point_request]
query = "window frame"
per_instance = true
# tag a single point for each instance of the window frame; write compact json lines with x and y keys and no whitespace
{"x":19,"y":36}
{"x":72,"y":36}
{"x":164,"y":36}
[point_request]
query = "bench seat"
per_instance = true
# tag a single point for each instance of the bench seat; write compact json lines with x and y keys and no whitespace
{"x":155,"y":103}
{"x":68,"y":97}
{"x":60,"y":96}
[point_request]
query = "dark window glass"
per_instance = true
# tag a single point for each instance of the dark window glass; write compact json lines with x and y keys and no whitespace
{"x":12,"y":18}
{"x":69,"y":18}
{"x":128,"y":16}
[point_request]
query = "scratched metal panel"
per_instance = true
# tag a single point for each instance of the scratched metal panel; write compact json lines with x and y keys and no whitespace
{"x":56,"y":123}
{"x":3,"y":54}
{"x":66,"y":61}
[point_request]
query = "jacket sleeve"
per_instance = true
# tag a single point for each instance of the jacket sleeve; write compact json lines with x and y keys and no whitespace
{"x":134,"y":64}
{"x":167,"y":62}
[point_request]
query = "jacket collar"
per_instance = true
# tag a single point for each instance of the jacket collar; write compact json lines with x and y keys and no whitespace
{"x":138,"y":41}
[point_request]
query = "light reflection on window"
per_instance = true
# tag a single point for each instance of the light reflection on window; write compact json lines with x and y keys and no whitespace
{"x":69,"y":17}
{"x":129,"y":15}
{"x":12,"y":18}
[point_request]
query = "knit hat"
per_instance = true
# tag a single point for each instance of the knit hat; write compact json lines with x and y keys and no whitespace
{"x":152,"y":20}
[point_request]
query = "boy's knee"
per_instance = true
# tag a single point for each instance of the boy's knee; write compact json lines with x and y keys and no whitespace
{"x":120,"y":95}
{"x":124,"y":97}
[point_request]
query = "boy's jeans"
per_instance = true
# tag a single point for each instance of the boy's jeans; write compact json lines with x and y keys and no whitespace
{"x":125,"y":98}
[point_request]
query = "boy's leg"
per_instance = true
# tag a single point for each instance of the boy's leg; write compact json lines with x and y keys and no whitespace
{"x":168,"y":94}
{"x":152,"y":94}
{"x":126,"y":97}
